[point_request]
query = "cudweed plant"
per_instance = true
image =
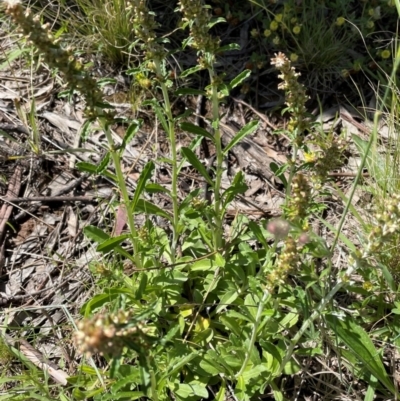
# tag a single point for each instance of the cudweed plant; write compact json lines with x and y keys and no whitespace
{"x":78,"y":79}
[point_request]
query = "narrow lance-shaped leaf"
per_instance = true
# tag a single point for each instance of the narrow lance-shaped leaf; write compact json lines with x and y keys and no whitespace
{"x":246,"y":130}
{"x":130,"y":133}
{"x":159,"y":112}
{"x":239,"y":78}
{"x":141,"y":184}
{"x":238,"y":186}
{"x":99,"y":236}
{"x":190,"y":71}
{"x":111,"y":243}
{"x":195,"y":129}
{"x":361,"y":345}
{"x":103,"y":164}
{"x":148,"y":207}
{"x":196,"y":163}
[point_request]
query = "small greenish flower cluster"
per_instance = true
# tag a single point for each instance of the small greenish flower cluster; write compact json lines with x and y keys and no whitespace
{"x":145,"y":29}
{"x":198,"y":19}
{"x":199,"y":203}
{"x":387,"y":224}
{"x":300,"y":199}
{"x":143,"y":234}
{"x":107,"y":334}
{"x":295,"y":95}
{"x":57,"y":57}
{"x":328,"y":157}
{"x":288,"y":261}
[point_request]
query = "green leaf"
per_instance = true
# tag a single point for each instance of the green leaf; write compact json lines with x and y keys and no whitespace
{"x":92,"y":169}
{"x":279,"y":172}
{"x":85,"y":130}
{"x":253,"y":373}
{"x":177,"y":366}
{"x":195,"y":129}
{"x":190,"y":71}
{"x":202,"y":265}
{"x":130,"y":133}
{"x":370,"y":394}
{"x":12,"y":55}
{"x":195,"y":162}
{"x":246,"y":130}
{"x":95,"y":234}
{"x":190,"y":390}
{"x":239,"y":78}
{"x":99,"y":236}
{"x":147,"y":207}
{"x":228,"y":48}
{"x":238,"y":186}
{"x":240,"y":389}
{"x":159,"y":112}
{"x":126,"y":395}
{"x":256,"y":229}
{"x":141,"y":184}
{"x":291,"y":368}
{"x":87,"y":167}
{"x":361,"y":346}
{"x":221,"y":393}
{"x":388,"y":277}
{"x":210,"y":363}
{"x":103,"y":164}
{"x":111,"y":243}
{"x":189,"y":91}
{"x":216,"y":21}
{"x":97,"y":302}
{"x":156,"y":188}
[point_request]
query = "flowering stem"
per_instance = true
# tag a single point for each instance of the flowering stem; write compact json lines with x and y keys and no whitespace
{"x":292,"y":171}
{"x":219,"y":161}
{"x":254,"y":332}
{"x":175,"y":168}
{"x":124,"y":191}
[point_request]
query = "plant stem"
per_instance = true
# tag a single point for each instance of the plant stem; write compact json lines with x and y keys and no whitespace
{"x":218,"y":232}
{"x":124,"y":192}
{"x":292,"y":169}
{"x":172,"y":143}
{"x":340,"y":283}
{"x":254,"y":333}
{"x":351,"y":268}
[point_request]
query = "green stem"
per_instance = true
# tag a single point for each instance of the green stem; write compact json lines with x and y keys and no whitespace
{"x":254,"y":333}
{"x":314,"y":315}
{"x":153,"y":385}
{"x":218,"y":232}
{"x":172,"y":143}
{"x":124,"y":192}
{"x":292,"y":169}
{"x":351,"y":268}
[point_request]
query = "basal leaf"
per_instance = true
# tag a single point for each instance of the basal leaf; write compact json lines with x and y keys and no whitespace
{"x":361,"y":345}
